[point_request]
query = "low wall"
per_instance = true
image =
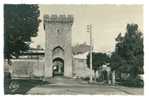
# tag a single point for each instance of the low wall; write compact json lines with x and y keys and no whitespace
{"x":31,"y":68}
{"x":26,"y":68}
{"x":80,"y":68}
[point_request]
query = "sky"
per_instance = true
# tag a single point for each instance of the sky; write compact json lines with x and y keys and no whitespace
{"x":107,"y":21}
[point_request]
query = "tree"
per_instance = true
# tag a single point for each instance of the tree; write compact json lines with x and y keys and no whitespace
{"x":98,"y":59}
{"x":20,"y":24}
{"x":128,"y":55}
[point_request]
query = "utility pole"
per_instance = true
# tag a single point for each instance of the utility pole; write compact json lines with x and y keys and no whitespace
{"x":89,"y":30}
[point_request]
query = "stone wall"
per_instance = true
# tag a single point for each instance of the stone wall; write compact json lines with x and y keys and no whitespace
{"x":28,"y":68}
{"x":58,"y":34}
{"x":24,"y":69}
{"x":80,"y":68}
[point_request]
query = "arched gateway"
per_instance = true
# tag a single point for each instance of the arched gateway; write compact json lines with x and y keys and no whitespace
{"x":58,"y":49}
{"x":58,"y":61}
{"x":58,"y":67}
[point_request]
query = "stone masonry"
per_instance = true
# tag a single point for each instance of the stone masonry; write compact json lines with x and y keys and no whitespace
{"x":58,"y":43}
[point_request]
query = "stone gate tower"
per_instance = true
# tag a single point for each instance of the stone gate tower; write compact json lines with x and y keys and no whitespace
{"x":58,"y":49}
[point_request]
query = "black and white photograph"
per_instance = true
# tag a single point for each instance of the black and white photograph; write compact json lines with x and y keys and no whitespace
{"x":66,"y":49}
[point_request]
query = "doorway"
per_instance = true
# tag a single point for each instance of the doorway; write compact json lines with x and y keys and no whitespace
{"x":58,"y":67}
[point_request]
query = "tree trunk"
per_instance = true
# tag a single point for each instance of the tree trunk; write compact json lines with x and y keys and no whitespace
{"x":95,"y":74}
{"x":113,"y":77}
{"x":119,"y":75}
{"x":9,"y":61}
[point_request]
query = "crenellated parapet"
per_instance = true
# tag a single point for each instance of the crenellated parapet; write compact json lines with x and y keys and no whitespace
{"x":58,"y":18}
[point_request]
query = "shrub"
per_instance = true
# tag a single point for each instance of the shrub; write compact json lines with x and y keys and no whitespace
{"x":133,"y":83}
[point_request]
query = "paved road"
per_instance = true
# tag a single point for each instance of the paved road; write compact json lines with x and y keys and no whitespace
{"x":63,"y":86}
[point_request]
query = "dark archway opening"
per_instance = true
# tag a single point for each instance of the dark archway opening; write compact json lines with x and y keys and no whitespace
{"x":58,"y":67}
